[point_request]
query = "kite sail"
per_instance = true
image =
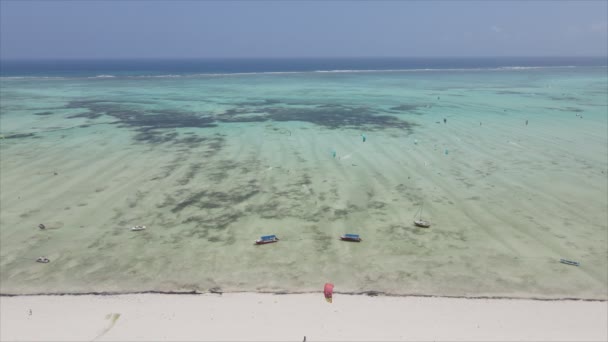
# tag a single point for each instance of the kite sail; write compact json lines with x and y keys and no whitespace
{"x":329,"y":291}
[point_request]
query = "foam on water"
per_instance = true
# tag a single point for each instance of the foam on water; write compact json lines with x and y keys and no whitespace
{"x":345,"y":71}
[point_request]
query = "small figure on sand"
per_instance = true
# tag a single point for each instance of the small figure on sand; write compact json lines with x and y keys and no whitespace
{"x":41,"y":226}
{"x":526,"y":122}
{"x":445,"y":120}
{"x":363,"y":137}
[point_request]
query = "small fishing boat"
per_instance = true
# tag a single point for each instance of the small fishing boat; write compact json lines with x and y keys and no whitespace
{"x":419,"y":222}
{"x":422,"y":223}
{"x":137,"y":228}
{"x":266,"y":239}
{"x":43,"y":260}
{"x":570,"y":262}
{"x":351,"y":237}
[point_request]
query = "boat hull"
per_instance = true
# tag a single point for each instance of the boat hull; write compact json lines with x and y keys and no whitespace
{"x":350,"y":239}
{"x":422,"y":224}
{"x":259,"y":242}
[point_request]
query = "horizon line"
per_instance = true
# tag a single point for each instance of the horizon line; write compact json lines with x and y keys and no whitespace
{"x":290,"y":57}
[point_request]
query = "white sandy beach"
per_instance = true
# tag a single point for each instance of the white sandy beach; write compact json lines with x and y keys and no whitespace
{"x":268,"y":317}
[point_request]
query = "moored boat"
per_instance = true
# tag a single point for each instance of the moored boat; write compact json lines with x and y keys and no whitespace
{"x":569,"y":262}
{"x":43,"y":260}
{"x":351,"y":237}
{"x":266,"y":239}
{"x":419,"y":222}
{"x":422,"y":223}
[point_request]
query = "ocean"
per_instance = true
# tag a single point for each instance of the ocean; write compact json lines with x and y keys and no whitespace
{"x":506,"y":157}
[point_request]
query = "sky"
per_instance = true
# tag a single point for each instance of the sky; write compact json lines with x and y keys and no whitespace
{"x":240,"y":29}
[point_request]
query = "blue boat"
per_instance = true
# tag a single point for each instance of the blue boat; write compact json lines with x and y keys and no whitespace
{"x":266,"y":239}
{"x":350,"y":237}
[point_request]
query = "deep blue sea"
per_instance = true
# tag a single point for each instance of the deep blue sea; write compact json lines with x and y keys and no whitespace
{"x":158,"y":67}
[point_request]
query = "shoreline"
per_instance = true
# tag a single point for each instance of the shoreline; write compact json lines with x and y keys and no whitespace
{"x":240,"y":316}
{"x":285,"y":293}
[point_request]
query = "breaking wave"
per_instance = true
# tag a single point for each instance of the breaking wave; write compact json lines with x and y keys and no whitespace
{"x":334,"y":71}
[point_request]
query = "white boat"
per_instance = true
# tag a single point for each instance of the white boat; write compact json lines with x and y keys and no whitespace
{"x":136,"y":228}
{"x":43,"y":260}
{"x":419,"y":222}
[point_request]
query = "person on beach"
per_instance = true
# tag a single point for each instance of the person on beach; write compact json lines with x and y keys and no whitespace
{"x":445,"y":120}
{"x":526,"y":122}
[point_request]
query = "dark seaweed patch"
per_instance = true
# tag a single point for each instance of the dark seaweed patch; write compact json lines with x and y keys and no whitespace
{"x":340,"y":213}
{"x":151,"y":120}
{"x":242,"y":115}
{"x":20,"y":135}
{"x":148,"y":121}
{"x":190,"y":141}
{"x":407,"y":107}
{"x":191,"y":200}
{"x":509,"y":92}
{"x":43,"y":113}
{"x":264,"y":102}
{"x":214,"y":145}
{"x":331,"y":116}
{"x":322,"y":239}
{"x":564,"y":98}
{"x":212,"y":221}
{"x":567,"y":109}
{"x":192,"y":171}
{"x":376,"y":205}
{"x":339,"y":117}
{"x":155,"y":137}
{"x":216,"y":199}
{"x":87,"y":115}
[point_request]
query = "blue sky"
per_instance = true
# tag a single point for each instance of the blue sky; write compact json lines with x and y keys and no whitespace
{"x":184,"y":29}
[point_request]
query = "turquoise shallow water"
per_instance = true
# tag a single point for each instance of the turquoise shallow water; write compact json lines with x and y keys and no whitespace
{"x":514,"y":179}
